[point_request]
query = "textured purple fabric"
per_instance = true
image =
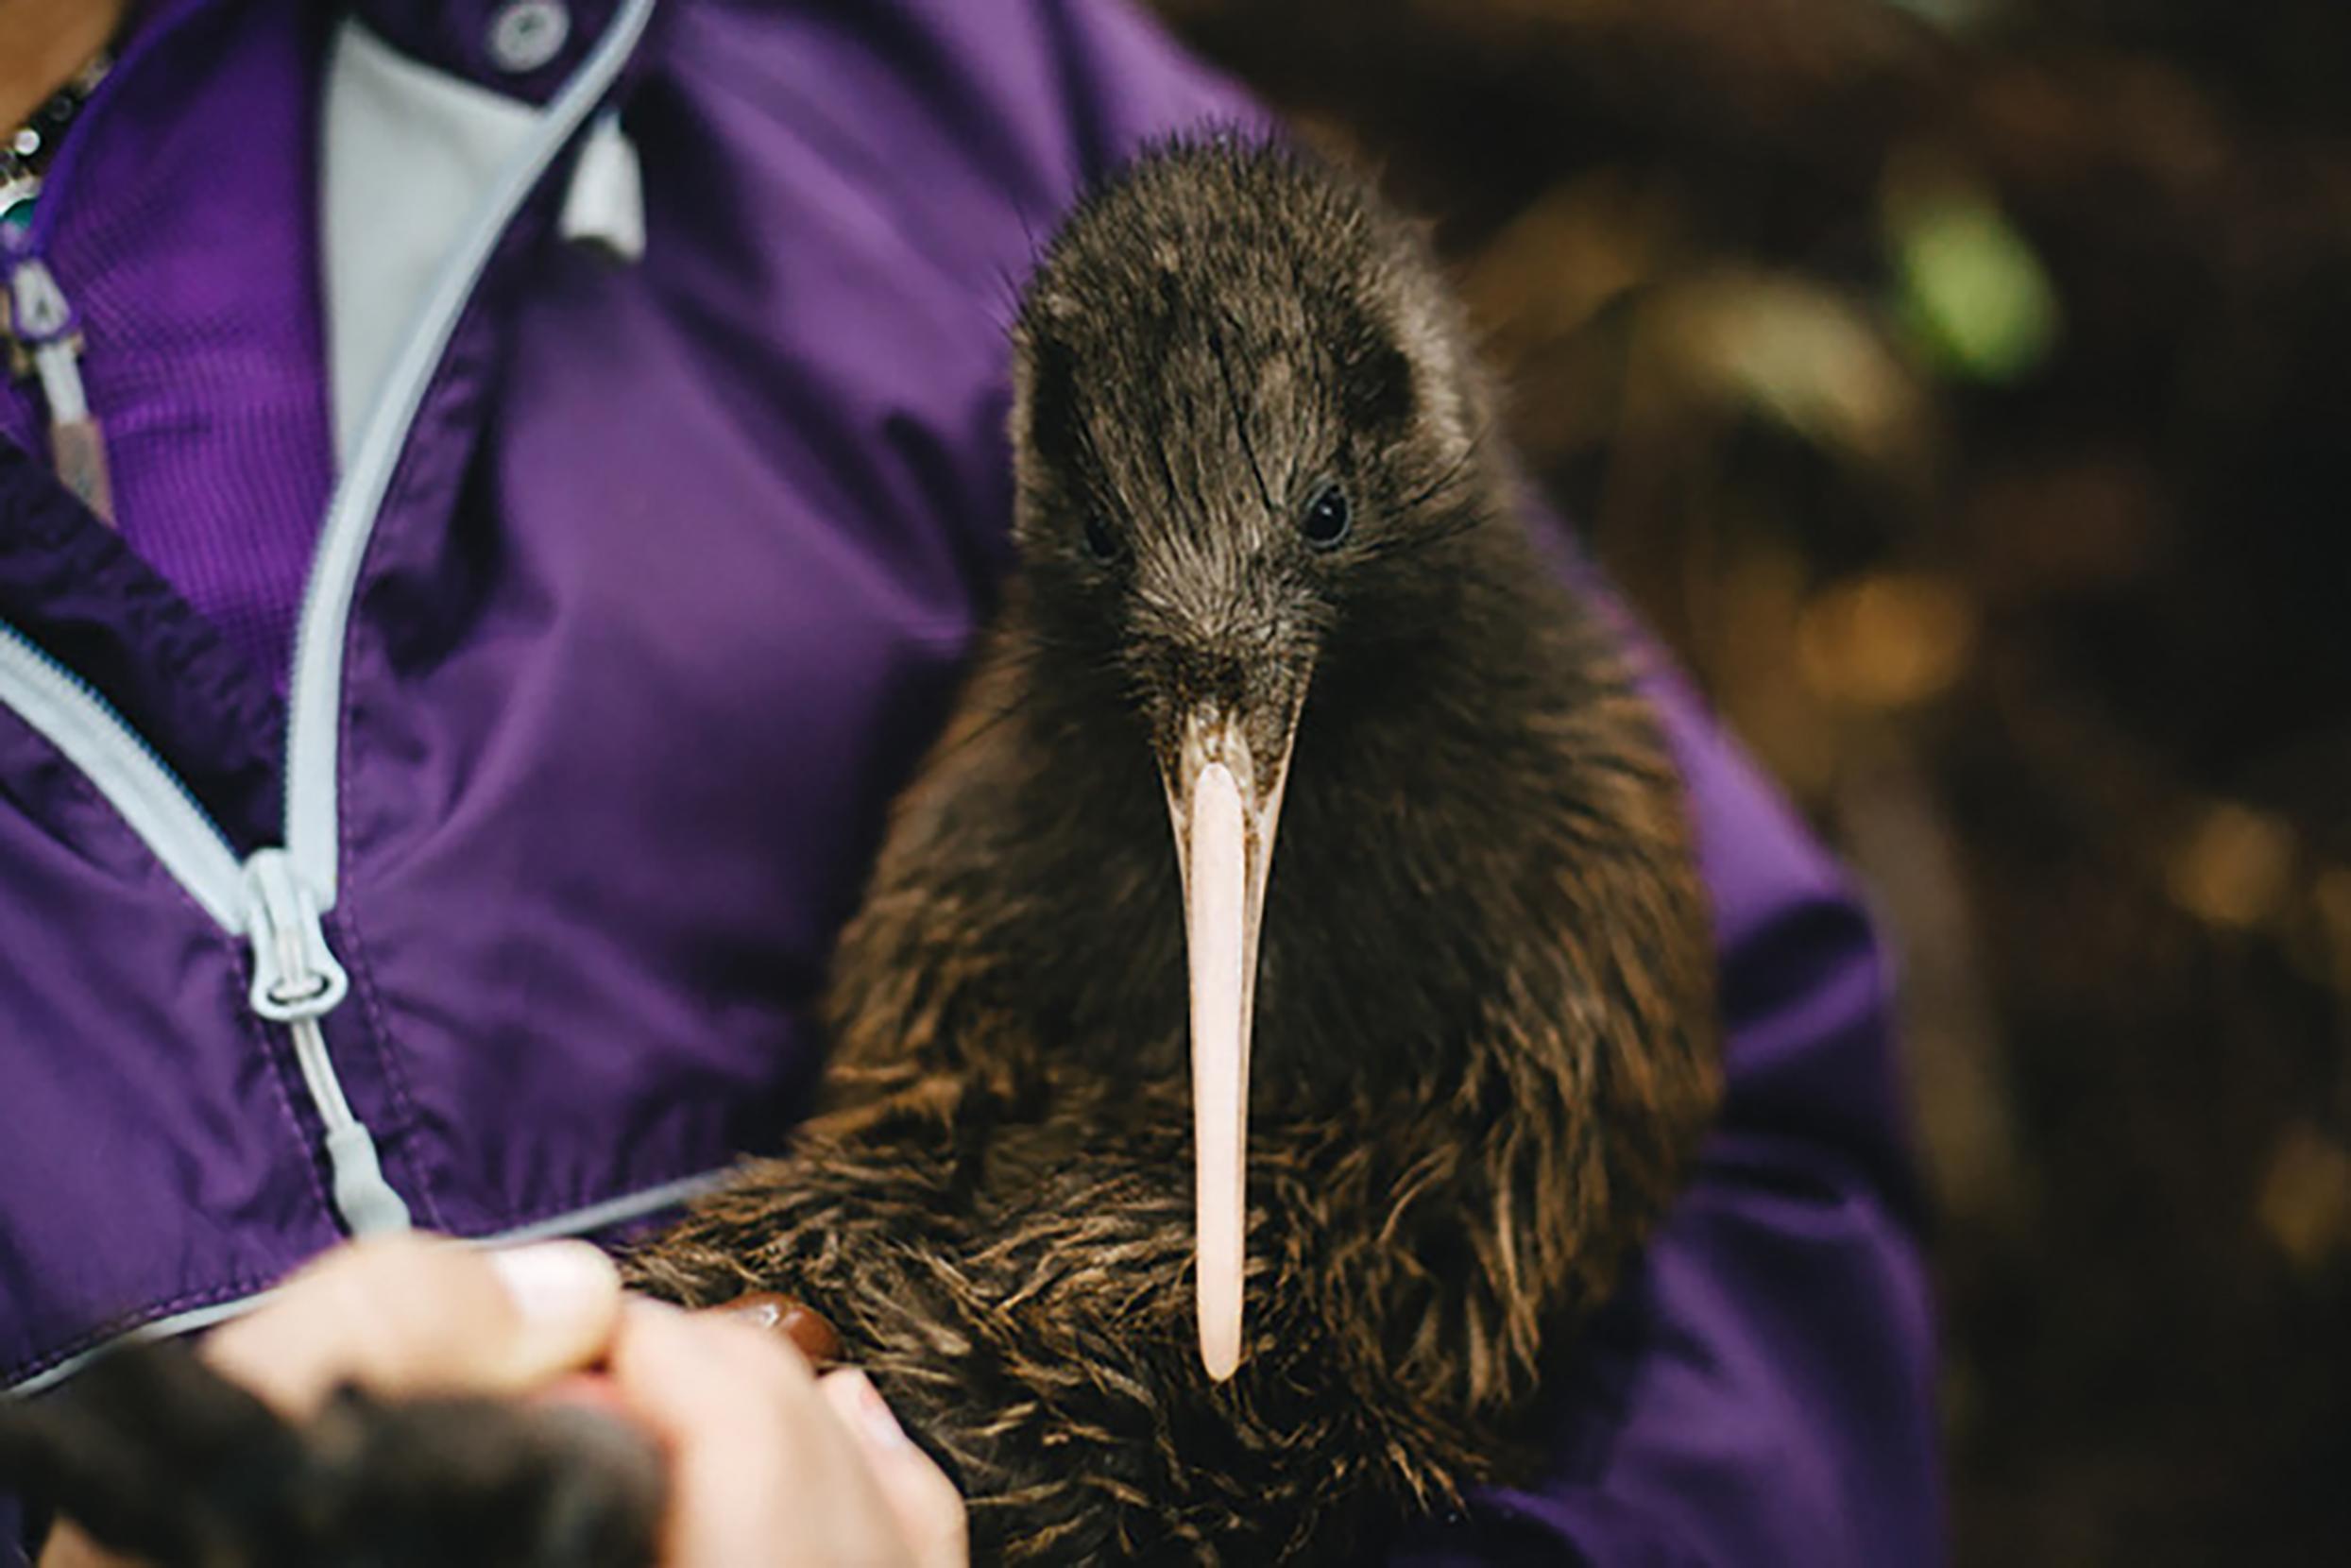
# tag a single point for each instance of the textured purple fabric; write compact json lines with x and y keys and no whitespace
{"x":673,"y":584}
{"x":180,"y":221}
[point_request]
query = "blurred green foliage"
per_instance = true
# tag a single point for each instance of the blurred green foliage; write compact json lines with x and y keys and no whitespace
{"x":1972,"y":291}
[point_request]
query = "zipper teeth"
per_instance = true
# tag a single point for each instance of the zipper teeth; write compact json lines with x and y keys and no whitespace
{"x":326,"y":1090}
{"x":316,"y":689}
{"x":76,"y":718}
{"x":80,"y":723}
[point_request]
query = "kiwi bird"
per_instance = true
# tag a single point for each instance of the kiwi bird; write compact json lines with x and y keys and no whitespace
{"x":1425,"y":944}
{"x":1284,"y":996}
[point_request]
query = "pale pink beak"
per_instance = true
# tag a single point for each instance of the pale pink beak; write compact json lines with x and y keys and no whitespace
{"x":1226,"y":802}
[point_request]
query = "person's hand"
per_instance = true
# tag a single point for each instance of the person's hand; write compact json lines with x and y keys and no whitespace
{"x":410,"y":1314}
{"x":416,"y":1314}
{"x":746,"y":1424}
{"x":772,"y":1467}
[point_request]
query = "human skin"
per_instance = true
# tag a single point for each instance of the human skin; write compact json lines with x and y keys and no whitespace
{"x":770,"y":1466}
{"x":42,"y":42}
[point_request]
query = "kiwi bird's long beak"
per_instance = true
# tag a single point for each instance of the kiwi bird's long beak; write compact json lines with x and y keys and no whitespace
{"x":1226,"y":795}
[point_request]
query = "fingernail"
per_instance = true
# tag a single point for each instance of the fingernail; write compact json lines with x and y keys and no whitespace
{"x":881,"y":1428}
{"x":803,"y":1327}
{"x":556,"y":1279}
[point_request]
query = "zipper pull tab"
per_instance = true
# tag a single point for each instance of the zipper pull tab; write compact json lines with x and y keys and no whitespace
{"x":295,"y":973}
{"x":297,"y":982}
{"x":37,"y":322}
{"x":366,"y":1201}
{"x":604,"y":206}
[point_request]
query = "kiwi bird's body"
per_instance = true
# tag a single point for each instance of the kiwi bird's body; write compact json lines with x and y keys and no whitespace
{"x":1255,"y":478}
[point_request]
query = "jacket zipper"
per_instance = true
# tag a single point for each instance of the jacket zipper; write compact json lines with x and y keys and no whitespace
{"x":37,"y":322}
{"x":84,"y":727}
{"x":297,"y":981}
{"x":315,"y":698}
{"x":278,"y":897}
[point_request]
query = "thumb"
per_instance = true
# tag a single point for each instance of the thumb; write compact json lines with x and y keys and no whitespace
{"x":409,"y":1315}
{"x":927,"y":1508}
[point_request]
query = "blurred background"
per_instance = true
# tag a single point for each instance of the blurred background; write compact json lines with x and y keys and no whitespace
{"x":1961,"y":387}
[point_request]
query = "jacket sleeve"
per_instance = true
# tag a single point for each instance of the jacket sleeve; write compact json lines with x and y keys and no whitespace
{"x":1760,"y":1393}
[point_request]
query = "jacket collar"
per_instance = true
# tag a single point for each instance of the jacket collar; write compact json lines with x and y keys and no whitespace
{"x":416,"y":142}
{"x":522,"y":49}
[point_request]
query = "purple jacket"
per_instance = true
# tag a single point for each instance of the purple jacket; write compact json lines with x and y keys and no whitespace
{"x":668,"y":489}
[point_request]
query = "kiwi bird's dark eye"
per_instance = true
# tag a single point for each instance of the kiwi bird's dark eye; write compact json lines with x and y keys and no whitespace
{"x":1101,"y":542}
{"x":1328,"y":518}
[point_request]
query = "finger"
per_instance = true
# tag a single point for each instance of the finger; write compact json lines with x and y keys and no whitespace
{"x":714,"y":1406}
{"x":760,"y":1471}
{"x":929,"y":1510}
{"x":416,"y":1315}
{"x":69,"y":1548}
{"x":686,"y":1374}
{"x":808,"y":1329}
